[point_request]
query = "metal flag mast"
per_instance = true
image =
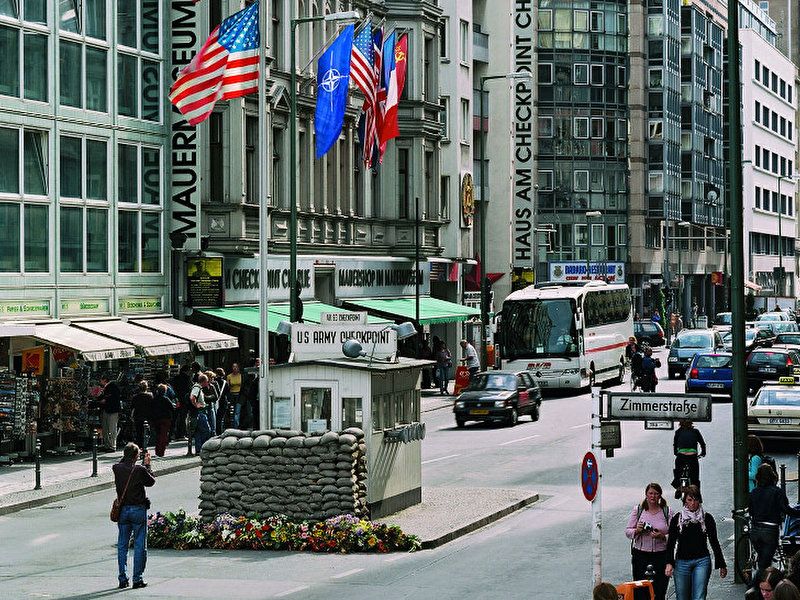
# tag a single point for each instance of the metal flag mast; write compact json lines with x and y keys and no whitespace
{"x":264,"y":400}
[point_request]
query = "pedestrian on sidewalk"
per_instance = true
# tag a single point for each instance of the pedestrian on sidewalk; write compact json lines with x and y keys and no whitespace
{"x":234,"y":380}
{"x":181,"y":385}
{"x":110,"y":405}
{"x":444,"y":361}
{"x":755,"y":458}
{"x":767,"y":506}
{"x":764,"y":587}
{"x":130,"y":479}
{"x":162,"y":413}
{"x":688,"y":558}
{"x":647,"y":529}
{"x":223,"y":390}
{"x":211,"y":393}
{"x":604,"y":591}
{"x":786,"y":590}
{"x":470,"y":358}
{"x":142,"y":405}
{"x":198,"y":416}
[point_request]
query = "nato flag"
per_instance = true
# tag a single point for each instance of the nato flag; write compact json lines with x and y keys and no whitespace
{"x":333,"y":77}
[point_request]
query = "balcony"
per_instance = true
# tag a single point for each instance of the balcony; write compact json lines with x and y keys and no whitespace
{"x":480,"y":47}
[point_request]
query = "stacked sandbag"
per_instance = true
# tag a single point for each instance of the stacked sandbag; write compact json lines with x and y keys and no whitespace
{"x":272,"y":472}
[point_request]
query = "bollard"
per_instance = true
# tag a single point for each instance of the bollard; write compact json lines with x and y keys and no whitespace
{"x":145,"y":438}
{"x":94,"y":453}
{"x":782,"y":469}
{"x":38,"y":467}
{"x":189,"y":440}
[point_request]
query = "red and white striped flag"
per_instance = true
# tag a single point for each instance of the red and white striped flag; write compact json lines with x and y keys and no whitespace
{"x":362,"y":64}
{"x":226,"y":67}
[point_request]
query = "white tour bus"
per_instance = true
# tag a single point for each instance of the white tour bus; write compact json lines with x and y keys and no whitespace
{"x":567,"y":336}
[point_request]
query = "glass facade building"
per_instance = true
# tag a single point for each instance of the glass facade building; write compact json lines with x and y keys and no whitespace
{"x":82,"y":199}
{"x":582,"y":79}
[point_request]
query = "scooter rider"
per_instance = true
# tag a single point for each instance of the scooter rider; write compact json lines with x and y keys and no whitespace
{"x":649,"y":366}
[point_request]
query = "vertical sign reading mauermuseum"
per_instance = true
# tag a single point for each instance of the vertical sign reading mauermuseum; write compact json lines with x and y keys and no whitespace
{"x":185,"y":170}
{"x":523,"y":204}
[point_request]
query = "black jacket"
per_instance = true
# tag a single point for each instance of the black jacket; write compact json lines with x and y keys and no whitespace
{"x":141,"y":478}
{"x":688,"y":437}
{"x":768,"y":504}
{"x":162,"y":406}
{"x":692,"y":543}
{"x":110,"y":398}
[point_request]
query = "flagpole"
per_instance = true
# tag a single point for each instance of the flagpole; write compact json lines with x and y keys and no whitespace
{"x":264,"y":403}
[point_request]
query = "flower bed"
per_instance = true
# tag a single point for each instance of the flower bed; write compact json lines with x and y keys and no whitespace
{"x":343,"y":534}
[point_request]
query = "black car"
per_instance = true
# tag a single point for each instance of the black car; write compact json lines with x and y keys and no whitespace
{"x":754,"y":337}
{"x":498,"y":396}
{"x":769,"y":364}
{"x":648,"y":332}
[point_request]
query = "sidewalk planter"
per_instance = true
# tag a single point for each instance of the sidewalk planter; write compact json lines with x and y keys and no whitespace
{"x":342,"y":534}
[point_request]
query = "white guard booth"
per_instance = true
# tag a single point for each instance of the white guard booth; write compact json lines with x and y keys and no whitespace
{"x":380,"y":397}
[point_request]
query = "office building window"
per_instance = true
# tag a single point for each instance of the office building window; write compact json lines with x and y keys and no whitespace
{"x":31,"y":146}
{"x":215,"y":158}
{"x":545,"y":71}
{"x":757,"y":155}
{"x":10,"y":240}
{"x":757,"y":197}
{"x":597,"y":75}
{"x":139,"y":241}
{"x":139,"y":65}
{"x":581,"y":126}
{"x":545,"y":19}
{"x":466,"y":121}
{"x":545,"y":180}
{"x":465,"y":39}
{"x":444,"y":38}
{"x":402,"y":182}
{"x":757,"y":70}
{"x":444,"y":197}
{"x":545,"y":127}
{"x":758,"y":112}
{"x":84,"y":169}
{"x":581,"y":74}
{"x":581,"y":181}
{"x":444,"y":117}
{"x":37,"y":238}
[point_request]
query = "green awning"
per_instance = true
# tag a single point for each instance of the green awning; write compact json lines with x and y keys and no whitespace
{"x":431,"y":310}
{"x":249,"y":315}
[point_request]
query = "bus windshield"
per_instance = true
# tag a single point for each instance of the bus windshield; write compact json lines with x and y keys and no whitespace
{"x":539,"y":328}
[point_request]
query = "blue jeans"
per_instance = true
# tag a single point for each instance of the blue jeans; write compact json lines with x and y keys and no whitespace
{"x":443,"y":375}
{"x":691,"y":578}
{"x":132,"y":521}
{"x":202,"y":431}
{"x":237,"y":413}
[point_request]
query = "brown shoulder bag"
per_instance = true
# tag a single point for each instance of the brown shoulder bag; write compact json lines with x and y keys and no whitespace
{"x":117,"y":504}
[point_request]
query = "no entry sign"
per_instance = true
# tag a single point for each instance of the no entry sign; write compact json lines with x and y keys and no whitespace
{"x":590,"y":477}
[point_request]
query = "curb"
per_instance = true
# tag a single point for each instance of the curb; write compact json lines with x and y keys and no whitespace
{"x":462,"y":531}
{"x":448,"y":405}
{"x":90,"y":489}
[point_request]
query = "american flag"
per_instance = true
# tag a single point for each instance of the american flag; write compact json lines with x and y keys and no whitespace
{"x":226,"y":67}
{"x":362,"y":71}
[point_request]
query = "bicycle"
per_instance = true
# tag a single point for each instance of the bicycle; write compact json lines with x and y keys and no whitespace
{"x":746,"y":557}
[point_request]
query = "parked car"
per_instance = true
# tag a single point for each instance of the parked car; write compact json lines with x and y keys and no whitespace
{"x":710,"y":372}
{"x":498,"y":396}
{"x":784,"y":327}
{"x":688,"y":343}
{"x":768,"y":364}
{"x":776,"y":315}
{"x":754,"y":337}
{"x":648,"y":332}
{"x":775,"y":412}
{"x":723,"y":319}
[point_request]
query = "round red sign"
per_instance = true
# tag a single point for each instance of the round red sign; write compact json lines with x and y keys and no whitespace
{"x":590,"y":476}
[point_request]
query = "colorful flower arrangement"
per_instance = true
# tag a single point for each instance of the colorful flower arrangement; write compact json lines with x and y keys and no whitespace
{"x":344,"y":534}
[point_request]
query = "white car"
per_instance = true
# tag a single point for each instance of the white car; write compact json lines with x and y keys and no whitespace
{"x":774,"y":413}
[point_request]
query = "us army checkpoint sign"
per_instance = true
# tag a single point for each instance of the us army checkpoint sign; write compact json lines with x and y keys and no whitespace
{"x":645,"y":407}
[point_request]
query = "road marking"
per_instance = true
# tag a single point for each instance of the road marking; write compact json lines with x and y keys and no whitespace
{"x":579,"y":426}
{"x":430,"y":460}
{"x":398,"y":557}
{"x":43,"y":539}
{"x":347,"y":573}
{"x":292,"y":591}
{"x":528,"y":437}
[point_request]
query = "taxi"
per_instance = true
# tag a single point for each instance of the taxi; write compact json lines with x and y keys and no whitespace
{"x":774,"y":413}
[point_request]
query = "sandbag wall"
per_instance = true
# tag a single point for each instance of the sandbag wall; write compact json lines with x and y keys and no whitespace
{"x":268,"y":472}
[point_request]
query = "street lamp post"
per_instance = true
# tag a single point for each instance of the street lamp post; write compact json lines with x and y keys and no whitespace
{"x":484,"y":279}
{"x":346,"y":16}
{"x":590,"y":214}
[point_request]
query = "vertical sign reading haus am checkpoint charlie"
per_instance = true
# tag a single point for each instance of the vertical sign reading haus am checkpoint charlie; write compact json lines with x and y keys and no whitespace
{"x":523,"y":238}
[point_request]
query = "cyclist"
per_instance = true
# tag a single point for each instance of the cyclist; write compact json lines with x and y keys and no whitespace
{"x":684,"y":446}
{"x":768,"y":504}
{"x":636,"y":358}
{"x":649,"y":366}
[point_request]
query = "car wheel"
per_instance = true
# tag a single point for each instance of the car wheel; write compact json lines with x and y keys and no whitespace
{"x":460,"y":423}
{"x":535,"y":412}
{"x":513,"y":417}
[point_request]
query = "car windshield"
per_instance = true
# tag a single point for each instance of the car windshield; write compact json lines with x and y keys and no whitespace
{"x":778,"y":397}
{"x":713,"y":362}
{"x":723,"y":319}
{"x":770,"y":317}
{"x":784,"y":326}
{"x":540,"y":328}
{"x":494,"y":381}
{"x":692,"y":340}
{"x":788,"y":338}
{"x":768,"y":358}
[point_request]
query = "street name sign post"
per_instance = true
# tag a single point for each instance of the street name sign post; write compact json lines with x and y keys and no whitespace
{"x":659,"y":424}
{"x":658,"y":407}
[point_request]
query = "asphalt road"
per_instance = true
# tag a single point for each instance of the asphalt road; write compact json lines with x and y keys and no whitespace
{"x":66,"y":550}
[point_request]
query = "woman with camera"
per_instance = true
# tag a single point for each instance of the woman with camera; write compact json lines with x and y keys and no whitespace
{"x":647,"y":530}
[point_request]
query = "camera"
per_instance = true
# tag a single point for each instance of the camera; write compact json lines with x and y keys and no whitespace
{"x":647,"y":528}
